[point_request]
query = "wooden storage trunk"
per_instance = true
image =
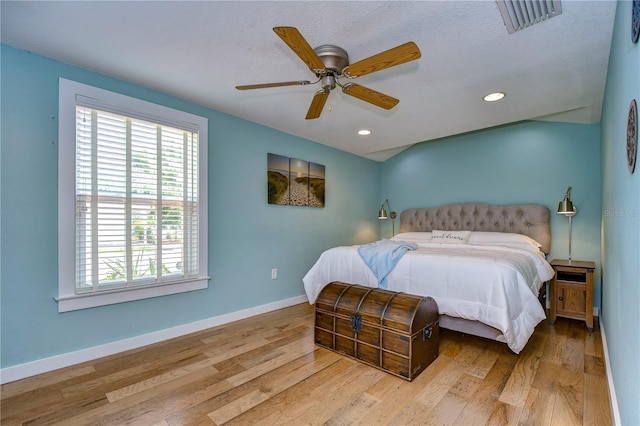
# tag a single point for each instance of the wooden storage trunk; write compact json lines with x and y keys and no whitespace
{"x":396,"y":332}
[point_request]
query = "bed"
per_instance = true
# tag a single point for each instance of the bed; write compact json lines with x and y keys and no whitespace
{"x":483,"y":264}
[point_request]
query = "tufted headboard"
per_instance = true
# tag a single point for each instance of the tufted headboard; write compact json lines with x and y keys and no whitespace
{"x":528,"y":219}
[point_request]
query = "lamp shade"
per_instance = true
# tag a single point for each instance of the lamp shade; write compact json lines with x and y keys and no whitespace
{"x":382,"y":214}
{"x":566,"y":207}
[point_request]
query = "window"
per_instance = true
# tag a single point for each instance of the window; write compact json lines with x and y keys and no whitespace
{"x":132,"y":199}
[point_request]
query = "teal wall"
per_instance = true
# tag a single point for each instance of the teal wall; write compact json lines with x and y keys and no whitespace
{"x":621,"y":220}
{"x":247,"y":236}
{"x":528,"y":162}
{"x":523,"y":162}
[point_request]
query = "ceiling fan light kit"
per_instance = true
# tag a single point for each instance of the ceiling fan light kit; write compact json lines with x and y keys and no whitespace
{"x":329,"y":63}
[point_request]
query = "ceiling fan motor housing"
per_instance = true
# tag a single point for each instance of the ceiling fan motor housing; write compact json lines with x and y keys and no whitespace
{"x":333,"y":57}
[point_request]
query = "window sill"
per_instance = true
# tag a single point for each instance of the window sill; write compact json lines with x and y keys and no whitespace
{"x":92,"y":300}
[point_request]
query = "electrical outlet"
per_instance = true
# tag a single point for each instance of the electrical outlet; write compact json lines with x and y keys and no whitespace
{"x":274,"y":274}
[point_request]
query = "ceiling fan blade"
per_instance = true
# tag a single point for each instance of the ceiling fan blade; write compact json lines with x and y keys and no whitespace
{"x":389,"y":58}
{"x":369,"y":95}
{"x":315,"y":109}
{"x":265,"y":85}
{"x":292,"y":37}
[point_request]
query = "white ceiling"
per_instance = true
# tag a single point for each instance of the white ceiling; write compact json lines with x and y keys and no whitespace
{"x":200,"y":50}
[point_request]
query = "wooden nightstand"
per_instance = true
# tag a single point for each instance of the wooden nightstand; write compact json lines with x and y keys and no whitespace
{"x":571,"y":290}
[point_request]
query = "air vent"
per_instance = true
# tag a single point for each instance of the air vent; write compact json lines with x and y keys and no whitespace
{"x":520,"y":14}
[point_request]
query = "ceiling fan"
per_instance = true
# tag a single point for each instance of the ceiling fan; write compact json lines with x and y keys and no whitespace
{"x":330,"y":63}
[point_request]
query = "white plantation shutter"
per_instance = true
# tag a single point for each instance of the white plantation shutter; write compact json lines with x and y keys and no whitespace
{"x":138,"y":200}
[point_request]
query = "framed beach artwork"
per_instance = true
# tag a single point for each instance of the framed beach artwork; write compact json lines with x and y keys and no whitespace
{"x":294,"y":182}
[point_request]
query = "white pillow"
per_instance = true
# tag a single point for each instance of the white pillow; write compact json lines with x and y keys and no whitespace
{"x":413,"y":237}
{"x":503,"y":239}
{"x":450,"y":237}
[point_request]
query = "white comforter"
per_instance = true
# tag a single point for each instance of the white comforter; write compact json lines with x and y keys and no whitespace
{"x":492,"y":284}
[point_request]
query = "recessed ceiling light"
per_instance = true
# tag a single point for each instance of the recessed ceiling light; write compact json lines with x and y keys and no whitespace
{"x":364,"y":132}
{"x":492,"y":97}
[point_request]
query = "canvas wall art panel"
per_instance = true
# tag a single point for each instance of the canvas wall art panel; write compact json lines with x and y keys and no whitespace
{"x":294,"y":182}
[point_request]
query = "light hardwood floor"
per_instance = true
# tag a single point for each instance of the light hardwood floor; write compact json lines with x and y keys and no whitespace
{"x":266,"y":370}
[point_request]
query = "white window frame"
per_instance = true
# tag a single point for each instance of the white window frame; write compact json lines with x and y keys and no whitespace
{"x":68,"y":299}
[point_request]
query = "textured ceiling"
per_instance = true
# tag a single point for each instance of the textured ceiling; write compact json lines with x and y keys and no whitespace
{"x":199,"y":51}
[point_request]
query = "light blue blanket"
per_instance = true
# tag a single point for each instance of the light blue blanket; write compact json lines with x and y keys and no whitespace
{"x":382,"y":256}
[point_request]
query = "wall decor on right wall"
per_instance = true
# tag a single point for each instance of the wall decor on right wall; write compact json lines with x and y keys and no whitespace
{"x":632,"y":136}
{"x":635,"y":21}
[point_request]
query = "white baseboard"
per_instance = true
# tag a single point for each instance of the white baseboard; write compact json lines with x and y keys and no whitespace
{"x":28,"y":369}
{"x":613,"y":399}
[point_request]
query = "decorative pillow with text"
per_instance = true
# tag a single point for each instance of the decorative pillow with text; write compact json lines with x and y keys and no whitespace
{"x":450,"y":237}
